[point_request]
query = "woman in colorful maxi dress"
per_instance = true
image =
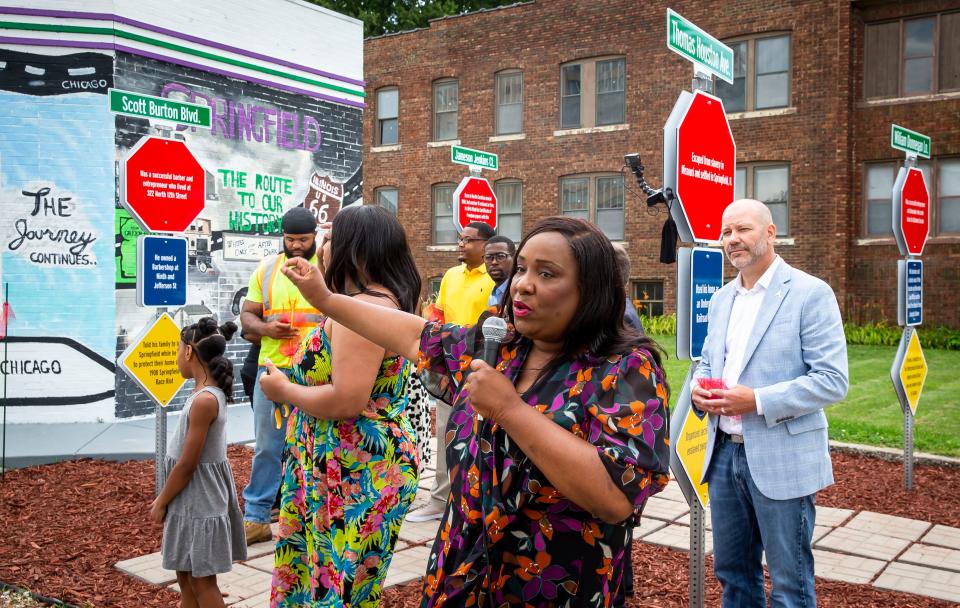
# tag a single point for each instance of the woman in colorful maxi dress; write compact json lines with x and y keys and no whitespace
{"x":554,"y":453}
{"x":352,"y":467}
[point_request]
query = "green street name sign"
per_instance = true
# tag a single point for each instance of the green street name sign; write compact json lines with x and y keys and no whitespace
{"x":159,"y":108}
{"x":909,"y":141}
{"x":689,"y":41}
{"x":474,"y":158}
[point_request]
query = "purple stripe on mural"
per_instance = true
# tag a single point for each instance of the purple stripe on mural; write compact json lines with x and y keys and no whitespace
{"x":167,"y":32}
{"x":189,"y":64}
{"x":72,"y":44}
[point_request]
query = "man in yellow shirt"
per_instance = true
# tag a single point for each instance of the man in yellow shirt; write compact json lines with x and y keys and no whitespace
{"x":278,"y":317}
{"x":464,"y":291}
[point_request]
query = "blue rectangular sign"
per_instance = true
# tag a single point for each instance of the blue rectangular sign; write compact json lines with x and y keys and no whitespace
{"x":706,"y":277}
{"x":914,"y":291}
{"x":162,"y":276}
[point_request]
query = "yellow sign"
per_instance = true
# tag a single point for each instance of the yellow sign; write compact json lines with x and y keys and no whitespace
{"x":152,"y":360}
{"x":691,"y":448}
{"x":913,"y":371}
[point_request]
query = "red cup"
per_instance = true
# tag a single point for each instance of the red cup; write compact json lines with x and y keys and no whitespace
{"x":711,"y":383}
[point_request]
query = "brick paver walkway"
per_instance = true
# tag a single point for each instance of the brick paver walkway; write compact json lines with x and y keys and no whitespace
{"x":856,"y":547}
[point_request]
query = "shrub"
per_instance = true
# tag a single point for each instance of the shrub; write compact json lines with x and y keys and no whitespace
{"x":662,"y":325}
{"x":869,"y":334}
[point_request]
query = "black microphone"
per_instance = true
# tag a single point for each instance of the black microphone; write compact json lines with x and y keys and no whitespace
{"x":494,"y":330}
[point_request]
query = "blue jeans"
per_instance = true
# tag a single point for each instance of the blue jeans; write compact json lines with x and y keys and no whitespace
{"x":745,"y":524}
{"x":260,"y":493}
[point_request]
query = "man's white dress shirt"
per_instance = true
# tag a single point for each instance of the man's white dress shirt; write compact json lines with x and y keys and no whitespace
{"x":743,"y":315}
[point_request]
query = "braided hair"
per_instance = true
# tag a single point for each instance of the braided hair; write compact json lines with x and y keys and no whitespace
{"x":209,"y":341}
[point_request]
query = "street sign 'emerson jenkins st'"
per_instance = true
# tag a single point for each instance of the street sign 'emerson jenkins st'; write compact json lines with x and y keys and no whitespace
{"x":687,"y":40}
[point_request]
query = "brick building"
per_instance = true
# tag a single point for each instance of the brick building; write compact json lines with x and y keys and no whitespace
{"x":562,"y":90}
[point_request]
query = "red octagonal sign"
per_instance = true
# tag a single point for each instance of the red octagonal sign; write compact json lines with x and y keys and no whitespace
{"x":700,"y":161}
{"x":911,"y":211}
{"x":164,"y":185}
{"x":474,"y":201}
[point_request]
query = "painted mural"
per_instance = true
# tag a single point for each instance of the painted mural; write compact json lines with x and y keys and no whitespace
{"x":56,"y":190}
{"x":68,"y":245}
{"x":260,"y":155}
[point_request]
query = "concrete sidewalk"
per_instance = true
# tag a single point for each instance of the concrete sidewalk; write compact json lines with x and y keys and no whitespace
{"x":32,"y":444}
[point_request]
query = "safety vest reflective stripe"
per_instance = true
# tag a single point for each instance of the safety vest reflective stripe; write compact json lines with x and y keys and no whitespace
{"x":266,"y":282}
{"x":299,"y":317}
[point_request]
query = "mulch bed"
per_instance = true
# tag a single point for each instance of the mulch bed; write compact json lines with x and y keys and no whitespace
{"x":66,"y":524}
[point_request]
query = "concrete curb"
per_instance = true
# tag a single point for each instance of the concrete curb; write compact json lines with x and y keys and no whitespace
{"x":894,"y":454}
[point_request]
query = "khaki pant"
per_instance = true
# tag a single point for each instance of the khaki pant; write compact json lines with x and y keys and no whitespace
{"x":442,"y":488}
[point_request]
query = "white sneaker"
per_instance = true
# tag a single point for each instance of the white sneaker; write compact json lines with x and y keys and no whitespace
{"x":426,"y":513}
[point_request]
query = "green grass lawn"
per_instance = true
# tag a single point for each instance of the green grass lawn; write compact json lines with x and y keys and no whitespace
{"x":871,"y":414}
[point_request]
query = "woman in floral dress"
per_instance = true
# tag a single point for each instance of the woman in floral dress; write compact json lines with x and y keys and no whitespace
{"x":352,"y":467}
{"x":554,"y":453}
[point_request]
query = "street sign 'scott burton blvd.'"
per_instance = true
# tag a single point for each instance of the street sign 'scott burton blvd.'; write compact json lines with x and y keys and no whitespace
{"x":159,"y":108}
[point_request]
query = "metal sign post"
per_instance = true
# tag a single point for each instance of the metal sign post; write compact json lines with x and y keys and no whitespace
{"x":151,"y":361}
{"x":688,"y":436}
{"x":703,"y":193}
{"x":907,"y":449}
{"x":164,"y":189}
{"x":908,"y":372}
{"x":910,"y":200}
{"x":159,"y":438}
{"x":699,"y":166}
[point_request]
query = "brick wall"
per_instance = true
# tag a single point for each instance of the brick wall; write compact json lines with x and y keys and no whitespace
{"x":872,"y":267}
{"x":822,"y":134}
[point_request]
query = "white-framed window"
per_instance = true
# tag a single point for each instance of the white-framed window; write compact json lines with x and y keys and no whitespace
{"x":597,"y":198}
{"x":510,"y":214}
{"x":444,"y":232}
{"x":593,"y":92}
{"x":761,"y":74}
{"x":446,"y":107}
{"x":388,"y":116}
{"x":509,"y":117}
{"x":770,"y":184}
{"x":388,"y":198}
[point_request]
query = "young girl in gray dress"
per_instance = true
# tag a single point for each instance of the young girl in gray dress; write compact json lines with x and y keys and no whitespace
{"x":202,"y":523}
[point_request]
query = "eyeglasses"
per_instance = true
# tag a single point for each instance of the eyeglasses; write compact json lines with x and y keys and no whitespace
{"x":495,"y":256}
{"x":466,"y":240}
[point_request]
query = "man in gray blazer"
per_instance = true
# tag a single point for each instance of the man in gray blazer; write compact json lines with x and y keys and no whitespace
{"x":776,"y":340}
